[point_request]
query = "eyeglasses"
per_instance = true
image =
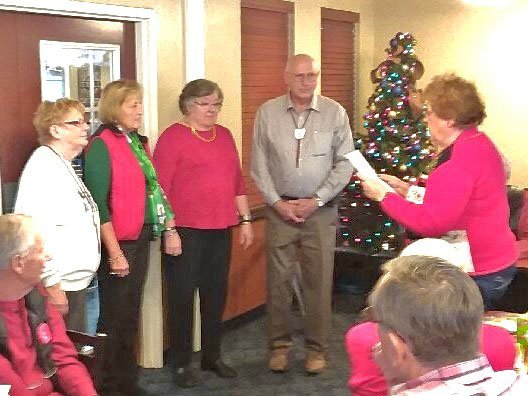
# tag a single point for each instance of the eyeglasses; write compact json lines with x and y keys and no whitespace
{"x":215,"y":106}
{"x":309,"y":77}
{"x":77,"y":123}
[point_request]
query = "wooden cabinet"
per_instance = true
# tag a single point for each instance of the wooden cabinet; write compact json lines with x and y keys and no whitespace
{"x":247,"y":275}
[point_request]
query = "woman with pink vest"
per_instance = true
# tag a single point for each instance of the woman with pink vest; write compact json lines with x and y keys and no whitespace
{"x":133,"y":210}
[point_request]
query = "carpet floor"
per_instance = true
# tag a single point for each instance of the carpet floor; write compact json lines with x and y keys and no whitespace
{"x":244,"y":348}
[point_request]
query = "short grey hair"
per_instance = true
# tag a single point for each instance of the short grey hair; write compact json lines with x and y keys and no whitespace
{"x":197,"y":89}
{"x":433,"y":305}
{"x":17,"y":236}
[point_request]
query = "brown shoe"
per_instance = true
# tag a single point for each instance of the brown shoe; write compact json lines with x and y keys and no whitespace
{"x":278,"y":361}
{"x":315,"y":362}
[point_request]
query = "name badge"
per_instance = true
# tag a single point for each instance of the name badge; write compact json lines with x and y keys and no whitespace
{"x":299,"y":133}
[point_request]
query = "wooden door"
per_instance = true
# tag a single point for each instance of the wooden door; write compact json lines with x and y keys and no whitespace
{"x":20,"y":85}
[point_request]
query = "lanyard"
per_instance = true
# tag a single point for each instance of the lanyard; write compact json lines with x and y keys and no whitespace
{"x":295,"y":121}
{"x":299,"y":136}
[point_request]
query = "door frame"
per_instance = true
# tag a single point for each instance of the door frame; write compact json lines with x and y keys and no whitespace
{"x":147,"y":25}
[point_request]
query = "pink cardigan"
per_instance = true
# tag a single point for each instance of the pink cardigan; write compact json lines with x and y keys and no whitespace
{"x":465,"y":192}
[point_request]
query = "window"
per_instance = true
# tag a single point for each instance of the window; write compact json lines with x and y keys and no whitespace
{"x":78,"y":71}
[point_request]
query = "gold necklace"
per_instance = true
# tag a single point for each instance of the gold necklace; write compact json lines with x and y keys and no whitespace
{"x":197,"y":134}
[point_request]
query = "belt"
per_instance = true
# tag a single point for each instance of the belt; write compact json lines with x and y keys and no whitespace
{"x":288,"y":198}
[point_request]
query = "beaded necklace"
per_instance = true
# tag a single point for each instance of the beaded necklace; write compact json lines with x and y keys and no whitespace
{"x":197,"y":134}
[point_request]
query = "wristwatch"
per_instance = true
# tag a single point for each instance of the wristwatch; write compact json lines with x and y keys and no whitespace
{"x":319,"y":201}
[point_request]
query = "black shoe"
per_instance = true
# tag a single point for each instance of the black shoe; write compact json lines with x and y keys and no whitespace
{"x":219,"y":368}
{"x":184,"y":377}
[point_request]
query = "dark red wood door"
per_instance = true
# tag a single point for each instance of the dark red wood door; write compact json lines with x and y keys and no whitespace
{"x":20,"y":85}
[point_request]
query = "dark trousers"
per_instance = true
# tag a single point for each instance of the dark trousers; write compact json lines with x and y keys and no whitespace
{"x":493,"y":286}
{"x":120,"y":302}
{"x":204,"y":264}
{"x":76,"y":317}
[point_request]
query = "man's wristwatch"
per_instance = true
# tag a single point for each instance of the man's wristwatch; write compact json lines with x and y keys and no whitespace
{"x":319,"y":201}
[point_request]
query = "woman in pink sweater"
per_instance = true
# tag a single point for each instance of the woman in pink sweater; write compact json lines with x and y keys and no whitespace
{"x":466,"y":191}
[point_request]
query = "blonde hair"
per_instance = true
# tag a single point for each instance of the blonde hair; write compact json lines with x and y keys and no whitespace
{"x":112,"y":98}
{"x":52,"y":113}
{"x":451,"y":97}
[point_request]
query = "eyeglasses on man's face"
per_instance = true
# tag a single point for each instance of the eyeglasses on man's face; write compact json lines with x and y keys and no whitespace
{"x":217,"y":106}
{"x":308,"y":77}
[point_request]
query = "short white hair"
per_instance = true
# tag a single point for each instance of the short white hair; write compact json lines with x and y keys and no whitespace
{"x":17,"y":236}
{"x":433,"y":247}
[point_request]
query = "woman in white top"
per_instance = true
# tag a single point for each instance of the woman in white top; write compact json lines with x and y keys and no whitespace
{"x":62,"y":206}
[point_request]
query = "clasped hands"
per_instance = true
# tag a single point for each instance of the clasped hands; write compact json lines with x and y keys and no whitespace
{"x":296,"y":210}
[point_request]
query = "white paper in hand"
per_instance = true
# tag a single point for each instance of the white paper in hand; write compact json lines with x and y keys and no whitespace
{"x":362,"y":166}
{"x":4,"y":390}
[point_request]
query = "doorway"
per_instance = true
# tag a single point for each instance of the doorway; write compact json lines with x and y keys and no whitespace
{"x":20,"y":78}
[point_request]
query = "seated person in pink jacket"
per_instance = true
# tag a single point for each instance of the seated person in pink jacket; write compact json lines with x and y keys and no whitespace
{"x":36,"y":356}
{"x":366,"y":378}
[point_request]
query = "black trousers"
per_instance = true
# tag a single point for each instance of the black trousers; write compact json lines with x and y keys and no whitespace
{"x":204,"y":264}
{"x":120,"y":302}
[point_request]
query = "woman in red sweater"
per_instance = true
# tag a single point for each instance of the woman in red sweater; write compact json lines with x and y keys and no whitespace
{"x":466,"y":191}
{"x":199,"y":170}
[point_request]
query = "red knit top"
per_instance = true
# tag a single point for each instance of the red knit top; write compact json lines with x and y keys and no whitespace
{"x":201,"y":179}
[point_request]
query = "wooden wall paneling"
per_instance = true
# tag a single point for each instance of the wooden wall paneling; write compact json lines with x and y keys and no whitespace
{"x":338,"y":57}
{"x":247,"y":273}
{"x":264,"y":52}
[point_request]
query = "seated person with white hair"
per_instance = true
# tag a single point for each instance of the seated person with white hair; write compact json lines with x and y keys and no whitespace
{"x":366,"y":378}
{"x":36,"y":356}
{"x":429,"y":315}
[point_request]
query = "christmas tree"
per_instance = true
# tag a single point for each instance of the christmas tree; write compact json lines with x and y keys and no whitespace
{"x":396,"y":142}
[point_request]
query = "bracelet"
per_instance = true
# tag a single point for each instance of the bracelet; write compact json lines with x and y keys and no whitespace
{"x":245,"y":222}
{"x":246,"y":217}
{"x":169,"y":229}
{"x":170,"y":232}
{"x":116,"y":258}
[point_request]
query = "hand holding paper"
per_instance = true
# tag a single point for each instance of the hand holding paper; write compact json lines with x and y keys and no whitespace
{"x":365,"y":171}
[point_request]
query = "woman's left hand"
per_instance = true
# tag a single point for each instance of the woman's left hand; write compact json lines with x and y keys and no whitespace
{"x":173,"y":244}
{"x":373,"y":189}
{"x":246,"y":235}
